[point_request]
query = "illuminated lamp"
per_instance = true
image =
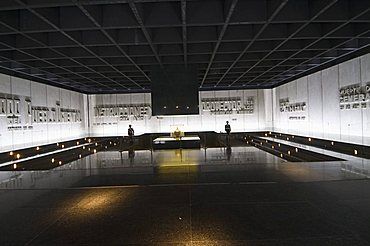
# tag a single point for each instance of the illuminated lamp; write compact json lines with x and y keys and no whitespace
{"x":296,"y":149}
{"x":18,"y":156}
{"x":15,"y":166}
{"x":94,"y":150}
{"x":11,"y":153}
{"x":332,"y":143}
{"x":288,"y":152}
{"x":37,"y":148}
{"x":52,"y":160}
{"x":273,"y":147}
{"x":60,"y":162}
{"x":80,"y":156}
{"x":281,"y":155}
{"x":355,"y":151}
{"x":309,"y":139}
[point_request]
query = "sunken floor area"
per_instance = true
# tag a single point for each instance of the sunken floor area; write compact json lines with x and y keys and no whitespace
{"x":237,"y":194}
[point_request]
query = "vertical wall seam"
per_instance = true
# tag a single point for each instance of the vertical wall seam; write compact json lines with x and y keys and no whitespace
{"x":340,"y":113}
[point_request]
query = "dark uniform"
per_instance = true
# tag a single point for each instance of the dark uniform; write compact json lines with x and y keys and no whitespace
{"x":227,"y":128}
{"x":130,"y":132}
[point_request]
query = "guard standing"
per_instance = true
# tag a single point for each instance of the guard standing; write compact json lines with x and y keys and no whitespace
{"x":130,"y":132}
{"x":227,"y":130}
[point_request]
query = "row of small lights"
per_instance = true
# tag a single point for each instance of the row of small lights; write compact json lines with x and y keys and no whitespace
{"x":11,"y":153}
{"x":273,"y":147}
{"x":84,"y":147}
{"x":310,"y":140}
{"x":177,"y":106}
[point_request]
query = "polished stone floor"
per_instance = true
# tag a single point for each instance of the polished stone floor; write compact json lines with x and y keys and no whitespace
{"x":214,"y":196}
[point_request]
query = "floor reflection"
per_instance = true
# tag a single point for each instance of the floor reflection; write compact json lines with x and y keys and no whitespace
{"x":224,"y":164}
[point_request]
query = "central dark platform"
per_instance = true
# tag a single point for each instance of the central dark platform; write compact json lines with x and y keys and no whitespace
{"x":189,"y":142}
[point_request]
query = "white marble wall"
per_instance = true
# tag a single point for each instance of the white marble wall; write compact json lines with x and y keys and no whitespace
{"x":261,"y":119}
{"x":43,"y":96}
{"x":321,"y":93}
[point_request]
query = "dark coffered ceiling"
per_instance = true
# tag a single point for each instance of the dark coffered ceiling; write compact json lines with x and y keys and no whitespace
{"x":97,"y":46}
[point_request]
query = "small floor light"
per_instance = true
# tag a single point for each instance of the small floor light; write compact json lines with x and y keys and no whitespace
{"x":96,"y":144}
{"x":62,"y":146}
{"x":309,"y":139}
{"x":332,"y":143}
{"x":78,"y":143}
{"x":37,"y":148}
{"x":288,"y":152}
{"x":94,"y":150}
{"x":80,"y":156}
{"x":11,"y":153}
{"x":355,"y":151}
{"x":52,"y":160}
{"x":273,"y":147}
{"x":279,"y":145}
{"x":18,"y":156}
{"x":57,"y":144}
{"x":296,"y":149}
{"x":281,"y":155}
{"x":60,"y":162}
{"x":287,"y":139}
{"x":15,"y":166}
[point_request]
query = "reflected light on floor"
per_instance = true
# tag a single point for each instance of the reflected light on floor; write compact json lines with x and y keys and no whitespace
{"x":99,"y":201}
{"x":302,"y":172}
{"x":177,"y":166}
